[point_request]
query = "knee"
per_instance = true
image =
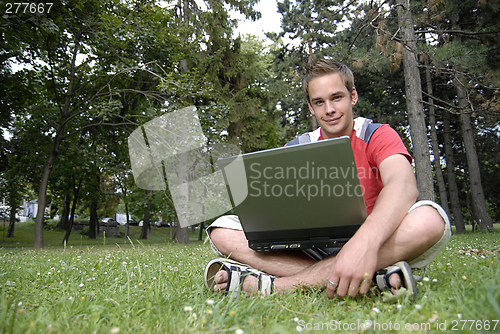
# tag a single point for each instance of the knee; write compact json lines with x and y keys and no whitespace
{"x":226,"y":240}
{"x":430,"y":223}
{"x":217,"y":236}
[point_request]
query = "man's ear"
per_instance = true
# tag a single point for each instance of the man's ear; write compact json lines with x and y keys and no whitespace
{"x":310,"y":108}
{"x":354,"y":96}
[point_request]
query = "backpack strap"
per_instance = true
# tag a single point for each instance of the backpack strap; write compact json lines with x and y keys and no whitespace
{"x":305,"y":138}
{"x":365,"y":128}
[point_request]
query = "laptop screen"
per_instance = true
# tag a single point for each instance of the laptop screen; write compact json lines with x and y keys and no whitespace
{"x":310,"y":190}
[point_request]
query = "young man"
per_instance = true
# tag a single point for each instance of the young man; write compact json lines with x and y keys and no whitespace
{"x":397,"y":231}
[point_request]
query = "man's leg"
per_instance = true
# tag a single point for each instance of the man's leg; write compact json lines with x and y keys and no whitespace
{"x":421,"y":228}
{"x":233,"y":243}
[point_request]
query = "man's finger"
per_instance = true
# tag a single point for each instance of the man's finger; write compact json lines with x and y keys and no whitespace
{"x":331,"y":286}
{"x":342,"y":288}
{"x":365,"y":284}
{"x":353,"y":288}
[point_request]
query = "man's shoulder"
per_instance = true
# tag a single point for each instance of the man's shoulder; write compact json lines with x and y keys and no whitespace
{"x":365,"y":128}
{"x":307,"y":137}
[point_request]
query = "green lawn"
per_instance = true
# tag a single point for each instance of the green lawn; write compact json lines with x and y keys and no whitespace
{"x":52,"y":237}
{"x":131,"y":287}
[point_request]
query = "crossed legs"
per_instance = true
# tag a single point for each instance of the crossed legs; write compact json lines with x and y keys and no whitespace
{"x":421,"y":228}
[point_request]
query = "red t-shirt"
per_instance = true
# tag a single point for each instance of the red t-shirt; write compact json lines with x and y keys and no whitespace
{"x":383,"y":143}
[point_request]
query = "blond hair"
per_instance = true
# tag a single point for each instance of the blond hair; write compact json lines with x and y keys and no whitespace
{"x":319,"y":67}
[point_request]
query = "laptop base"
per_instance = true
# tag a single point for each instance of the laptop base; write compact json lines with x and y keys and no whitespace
{"x":301,"y":238}
{"x":308,"y":244}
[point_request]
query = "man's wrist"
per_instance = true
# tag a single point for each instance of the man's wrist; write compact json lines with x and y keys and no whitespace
{"x":372,"y":233}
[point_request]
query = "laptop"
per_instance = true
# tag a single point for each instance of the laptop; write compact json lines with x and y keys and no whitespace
{"x":304,"y":196}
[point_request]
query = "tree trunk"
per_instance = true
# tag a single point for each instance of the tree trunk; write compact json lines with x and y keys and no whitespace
{"x":182,"y":234}
{"x":435,"y":144}
{"x":13,"y":200}
{"x":200,"y":234}
{"x":145,"y":224}
{"x":93,"y":219}
{"x":42,"y":190}
{"x":12,"y":222}
{"x":73,"y":208}
{"x":42,"y":195}
{"x":478,"y":201}
{"x":415,"y":108}
{"x":456,"y":209}
{"x":127,"y":225}
{"x":64,"y":221}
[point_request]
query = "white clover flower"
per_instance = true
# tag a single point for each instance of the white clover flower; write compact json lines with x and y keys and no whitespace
{"x":210,"y":301}
{"x":296,"y":319}
{"x":425,"y":279}
{"x":239,"y":331}
{"x":434,"y":280}
{"x":399,"y":307}
{"x":418,"y":307}
{"x":81,"y":284}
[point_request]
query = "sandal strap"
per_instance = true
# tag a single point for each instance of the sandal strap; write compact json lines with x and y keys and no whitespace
{"x":381,"y":277}
{"x":234,"y":281}
{"x":266,"y":284}
{"x":237,"y":272}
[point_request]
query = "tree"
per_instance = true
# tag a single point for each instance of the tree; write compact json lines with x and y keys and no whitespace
{"x":90,"y":65}
{"x":452,"y":182}
{"x":443,"y":197}
{"x":416,"y":118}
{"x":463,"y":30}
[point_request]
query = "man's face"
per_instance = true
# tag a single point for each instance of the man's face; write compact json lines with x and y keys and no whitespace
{"x":331,"y":103}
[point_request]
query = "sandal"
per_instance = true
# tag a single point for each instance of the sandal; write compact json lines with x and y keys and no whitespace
{"x":236,"y":274}
{"x":381,"y":278}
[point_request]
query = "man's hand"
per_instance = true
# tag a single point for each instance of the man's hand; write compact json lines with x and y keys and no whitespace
{"x":353,"y":268}
{"x":357,"y":261}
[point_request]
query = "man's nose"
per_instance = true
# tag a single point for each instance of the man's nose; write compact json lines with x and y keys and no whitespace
{"x":330,"y":107}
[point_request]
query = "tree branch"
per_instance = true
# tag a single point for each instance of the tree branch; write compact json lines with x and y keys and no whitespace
{"x":457,"y":32}
{"x":441,"y":101}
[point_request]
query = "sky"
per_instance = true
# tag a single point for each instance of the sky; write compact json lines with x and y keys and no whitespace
{"x":270,"y":21}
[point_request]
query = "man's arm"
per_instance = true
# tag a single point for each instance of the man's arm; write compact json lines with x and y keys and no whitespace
{"x":358,"y":260}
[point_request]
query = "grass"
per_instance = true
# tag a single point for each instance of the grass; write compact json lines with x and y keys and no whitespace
{"x":53,"y":237}
{"x":158,"y":288}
